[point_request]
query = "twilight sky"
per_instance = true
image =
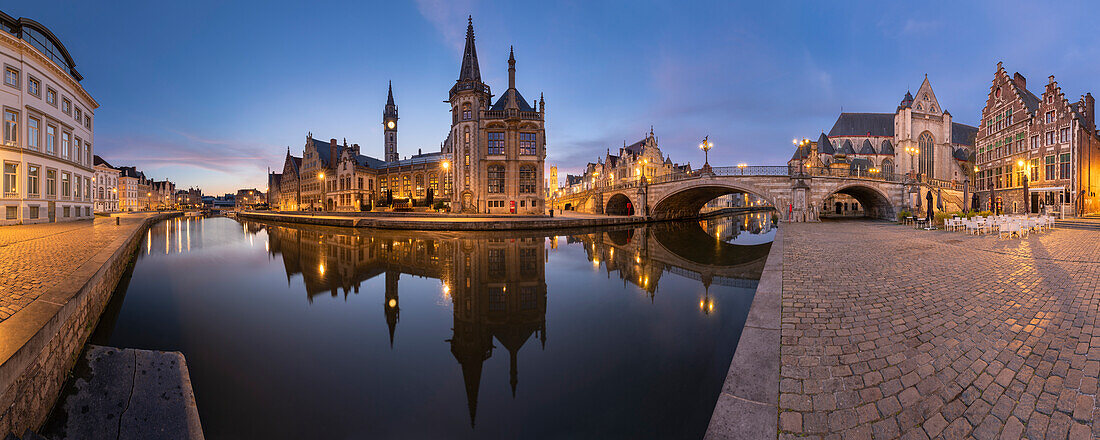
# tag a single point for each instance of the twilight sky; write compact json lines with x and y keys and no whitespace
{"x":211,"y":93}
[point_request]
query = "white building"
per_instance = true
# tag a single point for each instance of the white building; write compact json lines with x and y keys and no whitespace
{"x":105,"y":186}
{"x":46,"y":152}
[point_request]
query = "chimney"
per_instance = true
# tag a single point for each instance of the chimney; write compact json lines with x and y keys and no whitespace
{"x":1020,"y":81}
{"x":332,"y":152}
{"x":1087,"y":107}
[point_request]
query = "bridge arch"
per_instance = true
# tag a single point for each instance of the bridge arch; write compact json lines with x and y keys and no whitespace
{"x":875,"y":203}
{"x":686,"y":201}
{"x":620,"y":204}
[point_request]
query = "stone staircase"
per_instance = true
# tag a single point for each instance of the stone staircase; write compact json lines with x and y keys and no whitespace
{"x":1091,"y":224}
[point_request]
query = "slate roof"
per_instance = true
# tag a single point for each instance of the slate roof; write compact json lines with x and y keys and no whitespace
{"x":416,"y":159}
{"x":886,"y":148}
{"x":860,"y":124}
{"x":323,"y":150}
{"x":866,"y":148}
{"x":861,"y":163}
{"x":470,"y":70}
{"x":846,"y":148}
{"x":801,"y":152}
{"x":963,"y":154}
{"x":963,"y":134}
{"x":635,"y":148}
{"x":502,"y":102}
{"x":1030,"y":100}
{"x":824,"y":146}
{"x":96,"y":160}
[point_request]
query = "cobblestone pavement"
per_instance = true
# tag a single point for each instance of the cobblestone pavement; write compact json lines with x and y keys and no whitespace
{"x":33,"y":258}
{"x":890,"y":332}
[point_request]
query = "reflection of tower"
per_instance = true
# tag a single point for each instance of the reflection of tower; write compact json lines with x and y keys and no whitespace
{"x":499,"y":291}
{"x":393,"y":307}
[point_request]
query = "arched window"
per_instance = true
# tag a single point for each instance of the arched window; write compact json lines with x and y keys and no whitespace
{"x":447,"y":183}
{"x":420,"y":185}
{"x":527,"y":179}
{"x":406,"y":186}
{"x":433,"y":183}
{"x":466,"y":111}
{"x":927,"y":154}
{"x":887,"y":168}
{"x":496,"y":179}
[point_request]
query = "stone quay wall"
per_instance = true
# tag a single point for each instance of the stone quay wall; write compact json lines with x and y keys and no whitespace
{"x":40,"y":344}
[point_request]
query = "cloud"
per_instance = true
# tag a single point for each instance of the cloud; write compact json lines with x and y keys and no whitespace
{"x":187,"y":150}
{"x":449,"y":18}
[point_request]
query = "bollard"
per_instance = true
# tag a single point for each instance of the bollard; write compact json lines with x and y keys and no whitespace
{"x":116,"y":220}
{"x":551,"y":213}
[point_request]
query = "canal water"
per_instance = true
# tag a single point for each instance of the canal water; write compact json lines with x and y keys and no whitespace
{"x":294,"y":331}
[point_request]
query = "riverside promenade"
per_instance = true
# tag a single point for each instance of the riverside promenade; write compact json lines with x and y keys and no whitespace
{"x":55,"y":279}
{"x":890,"y":332}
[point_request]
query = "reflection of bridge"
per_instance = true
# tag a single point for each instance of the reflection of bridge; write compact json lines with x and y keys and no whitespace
{"x":682,"y":195}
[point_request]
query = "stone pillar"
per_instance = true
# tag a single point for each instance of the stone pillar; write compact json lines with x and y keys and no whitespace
{"x":800,"y":196}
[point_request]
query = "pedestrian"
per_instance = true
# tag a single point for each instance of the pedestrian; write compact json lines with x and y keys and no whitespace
{"x":790,"y":212}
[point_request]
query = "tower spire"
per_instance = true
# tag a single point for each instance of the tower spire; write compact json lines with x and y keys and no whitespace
{"x":389,"y":100}
{"x":470,"y":70}
{"x":511,"y":68}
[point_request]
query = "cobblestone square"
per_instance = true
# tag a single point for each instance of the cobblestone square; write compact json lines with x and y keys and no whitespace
{"x":33,"y":258}
{"x":890,"y":332}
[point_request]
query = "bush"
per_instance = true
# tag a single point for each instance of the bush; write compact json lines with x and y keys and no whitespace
{"x":775,"y":218}
{"x":903,"y":214}
{"x":438,"y":205}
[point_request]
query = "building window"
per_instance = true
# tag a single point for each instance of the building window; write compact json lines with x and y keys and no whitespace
{"x":11,"y":127}
{"x":527,"y":144}
{"x":887,"y":167}
{"x":88,"y":122}
{"x":11,"y":212}
{"x":11,"y":77}
{"x":66,"y":211}
{"x":1050,"y":138}
{"x":433,"y":183}
{"x":496,"y":143}
{"x":406,"y":186}
{"x":1035,"y":142}
{"x":1034,"y":168}
{"x":1063,"y":135}
{"x":66,"y":145}
{"x":32,"y":133}
{"x":1063,"y":166}
{"x":420,"y":185}
{"x":76,"y":189}
{"x":466,"y":113}
{"x":51,"y":183}
{"x":66,"y":106}
{"x":51,"y":139}
{"x":34,"y":87}
{"x":1050,"y":117}
{"x":925,"y":143}
{"x":11,"y":179}
{"x":466,"y":159}
{"x":496,"y":179}
{"x":77,"y":114}
{"x":33,"y":212}
{"x":51,"y":97}
{"x":527,"y":180}
{"x":496,"y":263}
{"x":447,"y":181}
{"x":32,"y":180}
{"x":66,"y":185}
{"x":78,"y":153}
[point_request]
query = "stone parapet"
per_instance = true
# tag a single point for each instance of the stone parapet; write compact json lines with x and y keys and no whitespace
{"x":40,"y":343}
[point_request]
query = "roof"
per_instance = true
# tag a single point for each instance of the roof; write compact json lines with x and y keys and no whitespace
{"x":1030,"y":100}
{"x":824,"y":145}
{"x":962,"y":154}
{"x":963,"y":134}
{"x":801,"y":152}
{"x":863,"y":124}
{"x":846,"y":148}
{"x":502,"y":102}
{"x":417,"y":159}
{"x":323,"y":152}
{"x":636,"y":148}
{"x":886,"y":148}
{"x":470,"y":70}
{"x":866,"y":148}
{"x":130,"y":172}
{"x":906,"y":101}
{"x":369,"y":162}
{"x":861,"y":163}
{"x":34,"y":38}
{"x":96,"y":160}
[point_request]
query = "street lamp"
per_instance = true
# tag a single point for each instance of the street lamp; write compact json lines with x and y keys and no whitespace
{"x":321,"y":178}
{"x":742,"y":167}
{"x":706,"y":145}
{"x":913,"y":151}
{"x":1020,"y":163}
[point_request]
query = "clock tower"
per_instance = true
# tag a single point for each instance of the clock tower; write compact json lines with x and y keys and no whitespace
{"x":389,"y":127}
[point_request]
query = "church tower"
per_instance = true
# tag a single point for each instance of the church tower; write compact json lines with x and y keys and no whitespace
{"x":389,"y":127}
{"x":468,"y":97}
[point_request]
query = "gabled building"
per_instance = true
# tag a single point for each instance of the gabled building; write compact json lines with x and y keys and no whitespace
{"x":1046,"y":138}
{"x":920,"y":139}
{"x":105,"y":186}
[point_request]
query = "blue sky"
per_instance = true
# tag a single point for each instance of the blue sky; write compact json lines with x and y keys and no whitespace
{"x":211,"y":93}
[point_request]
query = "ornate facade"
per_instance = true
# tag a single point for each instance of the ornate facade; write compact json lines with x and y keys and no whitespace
{"x":1045,"y":140}
{"x":919,"y":138}
{"x":642,"y":158}
{"x":491,"y":161}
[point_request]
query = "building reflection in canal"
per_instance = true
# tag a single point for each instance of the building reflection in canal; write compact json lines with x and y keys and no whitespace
{"x":494,"y":288}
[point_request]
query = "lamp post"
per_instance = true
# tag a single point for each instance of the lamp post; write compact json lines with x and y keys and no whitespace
{"x":321,"y":179}
{"x":913,"y":151}
{"x":706,"y":145}
{"x":1020,"y":163}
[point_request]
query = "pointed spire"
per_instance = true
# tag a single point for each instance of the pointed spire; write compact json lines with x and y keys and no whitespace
{"x":389,"y":100}
{"x":513,"y":372}
{"x":511,"y":68}
{"x":470,"y":70}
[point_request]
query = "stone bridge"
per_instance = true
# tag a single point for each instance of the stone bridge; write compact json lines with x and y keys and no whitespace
{"x":797,"y":196}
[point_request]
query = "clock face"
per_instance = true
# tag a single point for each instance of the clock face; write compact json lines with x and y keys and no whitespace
{"x":390,"y":124}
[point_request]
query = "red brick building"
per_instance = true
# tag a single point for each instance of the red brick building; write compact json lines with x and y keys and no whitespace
{"x":1053,"y":139}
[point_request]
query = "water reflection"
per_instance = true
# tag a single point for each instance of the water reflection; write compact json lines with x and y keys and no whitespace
{"x":492,"y":288}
